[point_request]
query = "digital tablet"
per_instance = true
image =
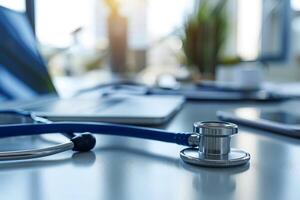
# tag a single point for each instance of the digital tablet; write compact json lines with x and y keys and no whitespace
{"x":282,"y":119}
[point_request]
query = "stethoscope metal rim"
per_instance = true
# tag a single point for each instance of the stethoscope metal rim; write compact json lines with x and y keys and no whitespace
{"x":235,"y":157}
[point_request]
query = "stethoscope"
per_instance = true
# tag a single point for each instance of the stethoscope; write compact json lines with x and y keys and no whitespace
{"x":208,"y":144}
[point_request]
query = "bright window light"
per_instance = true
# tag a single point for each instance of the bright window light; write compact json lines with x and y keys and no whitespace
{"x":249,"y":28}
{"x":166,"y":15}
{"x":296,"y":4}
{"x":16,"y":4}
{"x":57,"y":19}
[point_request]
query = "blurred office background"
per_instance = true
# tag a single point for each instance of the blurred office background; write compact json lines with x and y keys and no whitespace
{"x":74,"y":36}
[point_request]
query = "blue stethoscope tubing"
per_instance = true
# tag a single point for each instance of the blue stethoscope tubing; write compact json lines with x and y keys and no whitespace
{"x":88,"y":143}
{"x":96,"y":128}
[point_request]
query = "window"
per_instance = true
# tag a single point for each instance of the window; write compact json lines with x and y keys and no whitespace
{"x":296,"y":5}
{"x":248,"y":28}
{"x":56,"y":19}
{"x":13,"y":4}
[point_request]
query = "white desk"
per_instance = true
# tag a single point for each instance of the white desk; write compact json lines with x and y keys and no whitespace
{"x":124,"y":168}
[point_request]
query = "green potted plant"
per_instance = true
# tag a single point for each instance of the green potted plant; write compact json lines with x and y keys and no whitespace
{"x":204,"y":36}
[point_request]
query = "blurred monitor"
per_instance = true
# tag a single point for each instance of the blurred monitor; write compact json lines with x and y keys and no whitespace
{"x":263,"y":30}
{"x":23,"y":73}
{"x":275,"y":31}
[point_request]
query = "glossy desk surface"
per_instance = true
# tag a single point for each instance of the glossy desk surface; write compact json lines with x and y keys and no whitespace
{"x":124,"y":168}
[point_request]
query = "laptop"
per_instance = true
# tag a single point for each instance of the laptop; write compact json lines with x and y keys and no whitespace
{"x":25,"y":81}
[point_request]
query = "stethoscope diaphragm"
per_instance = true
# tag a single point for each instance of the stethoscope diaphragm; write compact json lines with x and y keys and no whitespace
{"x":214,"y":146}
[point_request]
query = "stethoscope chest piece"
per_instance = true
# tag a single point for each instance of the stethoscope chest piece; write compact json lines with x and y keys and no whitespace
{"x":214,"y":146}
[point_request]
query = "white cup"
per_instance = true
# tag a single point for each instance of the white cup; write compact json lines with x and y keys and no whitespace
{"x":225,"y":74}
{"x":248,"y":77}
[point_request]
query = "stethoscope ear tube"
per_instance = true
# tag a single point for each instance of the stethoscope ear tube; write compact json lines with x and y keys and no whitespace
{"x":82,"y":143}
{"x":36,"y":153}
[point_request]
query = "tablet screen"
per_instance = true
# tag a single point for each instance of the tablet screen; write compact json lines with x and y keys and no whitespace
{"x":279,"y":116}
